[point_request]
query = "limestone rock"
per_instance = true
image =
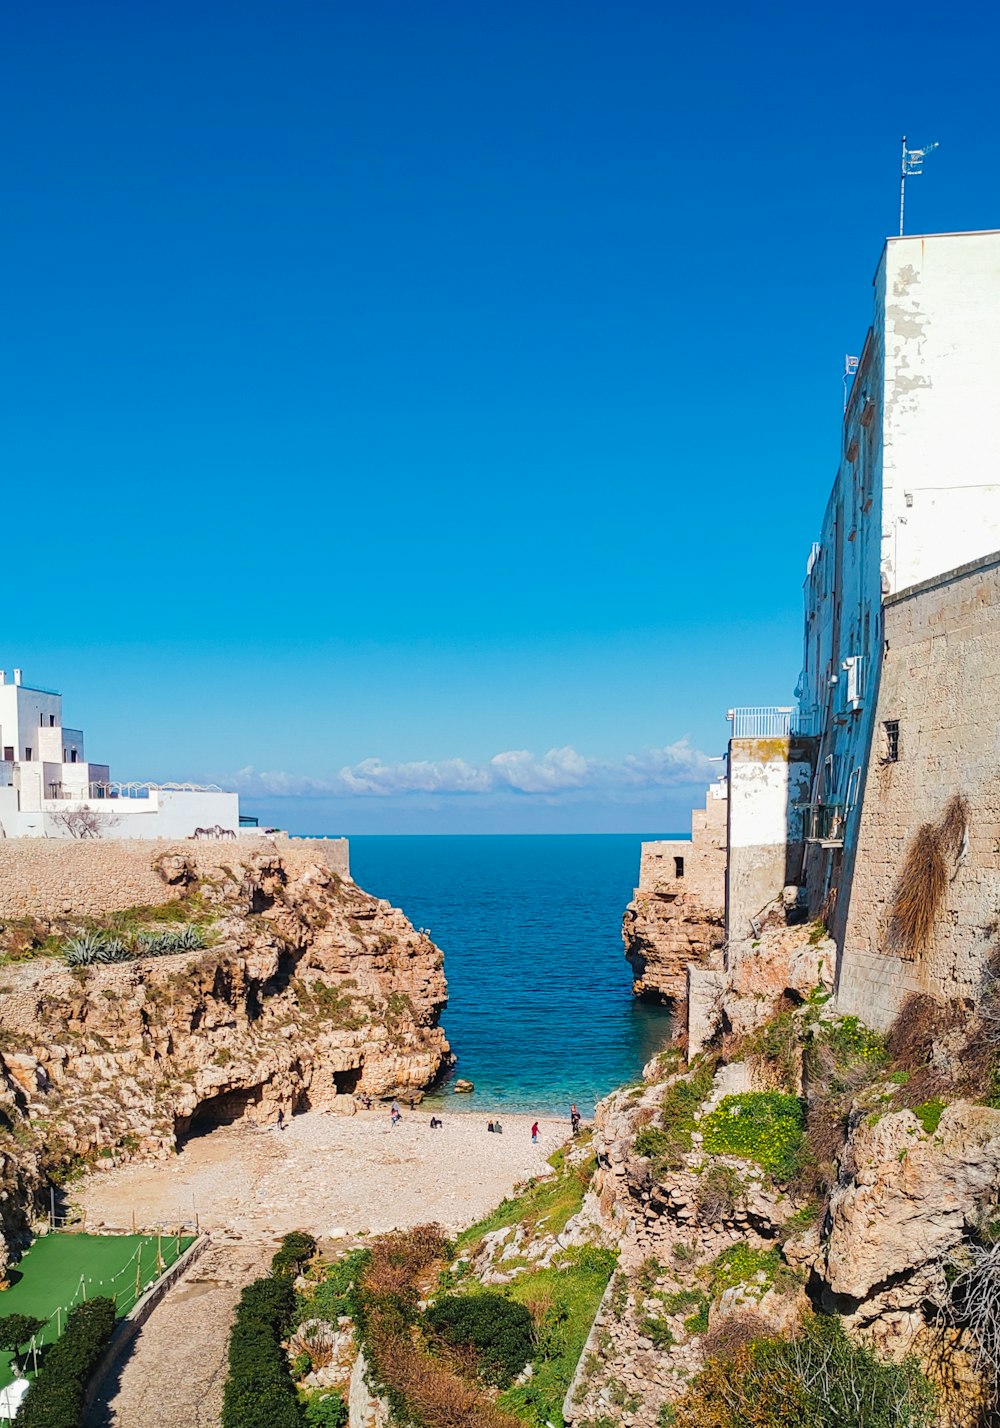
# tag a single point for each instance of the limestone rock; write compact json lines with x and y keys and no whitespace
{"x":311,"y":990}
{"x":912,"y":1196}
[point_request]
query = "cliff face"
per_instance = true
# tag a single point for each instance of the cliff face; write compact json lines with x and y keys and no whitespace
{"x":308,"y":991}
{"x":662,"y":933}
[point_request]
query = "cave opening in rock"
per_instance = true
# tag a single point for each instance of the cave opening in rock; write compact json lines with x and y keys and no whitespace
{"x":221,"y":1110}
{"x":347,"y":1081}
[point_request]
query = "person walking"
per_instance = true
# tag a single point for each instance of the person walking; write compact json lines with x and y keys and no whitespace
{"x":534,"y":1134}
{"x":574,"y":1119}
{"x":395,"y":1116}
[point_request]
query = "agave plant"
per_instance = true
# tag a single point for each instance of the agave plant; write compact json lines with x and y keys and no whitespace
{"x":84,"y":950}
{"x":161,"y":942}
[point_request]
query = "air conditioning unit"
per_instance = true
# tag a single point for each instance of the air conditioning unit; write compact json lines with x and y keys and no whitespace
{"x":853,"y":687}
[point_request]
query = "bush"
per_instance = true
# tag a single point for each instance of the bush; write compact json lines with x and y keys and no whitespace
{"x":335,"y":1294}
{"x":296,"y":1248}
{"x":818,"y":1380}
{"x":497,"y":1329}
{"x":327,"y":1410}
{"x":259,"y":1391}
{"x":765,"y":1126}
{"x":55,"y":1398}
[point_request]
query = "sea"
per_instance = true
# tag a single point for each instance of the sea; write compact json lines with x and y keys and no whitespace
{"x":540,"y":1011}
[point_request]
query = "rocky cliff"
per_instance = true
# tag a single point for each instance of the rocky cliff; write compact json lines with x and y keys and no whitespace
{"x":663,"y":932}
{"x":306,"y":991}
{"x":804,"y":1178}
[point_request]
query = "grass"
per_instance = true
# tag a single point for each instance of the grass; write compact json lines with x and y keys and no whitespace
{"x":765,"y":1126}
{"x":572,"y":1290}
{"x":544,"y":1205}
{"x":59,"y":1268}
{"x":739,"y":1264}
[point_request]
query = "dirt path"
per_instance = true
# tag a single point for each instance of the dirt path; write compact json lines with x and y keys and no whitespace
{"x":173,"y":1376}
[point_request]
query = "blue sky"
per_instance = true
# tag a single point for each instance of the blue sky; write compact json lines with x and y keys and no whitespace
{"x":394,"y":393}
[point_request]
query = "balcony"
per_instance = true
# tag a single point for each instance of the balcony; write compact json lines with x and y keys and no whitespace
{"x":823,"y":823}
{"x":771,"y":721}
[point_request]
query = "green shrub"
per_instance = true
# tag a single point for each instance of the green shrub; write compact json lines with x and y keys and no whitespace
{"x":658,"y":1331}
{"x":929,"y":1114}
{"x":765,"y":1126}
{"x":295,"y":1249}
{"x":326,"y":1410}
{"x":335,"y":1293}
{"x":651,"y":1142}
{"x":497,"y":1329}
{"x":259,"y":1391}
{"x":55,"y":1398}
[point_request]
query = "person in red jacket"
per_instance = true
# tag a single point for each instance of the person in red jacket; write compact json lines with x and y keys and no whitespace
{"x":534,"y":1134}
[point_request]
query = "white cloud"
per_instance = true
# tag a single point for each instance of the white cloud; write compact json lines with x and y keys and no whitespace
{"x":560,"y":772}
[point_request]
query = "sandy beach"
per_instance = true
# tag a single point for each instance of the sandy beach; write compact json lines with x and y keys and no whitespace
{"x":336,"y":1176}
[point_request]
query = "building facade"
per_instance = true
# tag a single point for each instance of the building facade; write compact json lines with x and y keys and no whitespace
{"x":895,"y":741}
{"x":49,"y":789}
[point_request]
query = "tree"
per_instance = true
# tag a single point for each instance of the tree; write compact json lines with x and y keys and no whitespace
{"x":15,"y":1330}
{"x":84,"y":821}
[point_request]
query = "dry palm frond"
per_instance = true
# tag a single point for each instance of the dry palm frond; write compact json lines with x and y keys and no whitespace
{"x":918,"y":893}
{"x":953,"y":824}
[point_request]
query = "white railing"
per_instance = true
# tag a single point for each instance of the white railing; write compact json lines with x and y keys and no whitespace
{"x":143,"y":790}
{"x":771,"y":721}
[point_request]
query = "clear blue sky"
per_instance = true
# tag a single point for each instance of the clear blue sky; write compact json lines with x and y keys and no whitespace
{"x":422,"y":383}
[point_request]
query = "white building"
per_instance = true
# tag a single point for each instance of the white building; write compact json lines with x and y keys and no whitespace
{"x":48,"y":789}
{"x":917,"y":494}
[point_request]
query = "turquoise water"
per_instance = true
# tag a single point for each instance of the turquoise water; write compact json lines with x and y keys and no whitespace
{"x":540,"y":1011}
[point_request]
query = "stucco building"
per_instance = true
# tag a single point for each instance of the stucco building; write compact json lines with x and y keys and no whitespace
{"x":49,"y":789}
{"x":897,"y":727}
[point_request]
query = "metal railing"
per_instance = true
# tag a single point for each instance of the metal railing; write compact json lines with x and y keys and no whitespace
{"x":772,"y":721}
{"x":823,"y":822}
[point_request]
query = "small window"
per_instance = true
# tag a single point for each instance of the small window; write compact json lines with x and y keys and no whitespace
{"x":8,"y":753}
{"x":27,"y":755}
{"x":678,"y":867}
{"x":52,"y":721}
{"x":890,"y":753}
{"x":72,"y":756}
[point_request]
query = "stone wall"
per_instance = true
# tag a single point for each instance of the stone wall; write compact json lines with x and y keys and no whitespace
{"x":56,"y":878}
{"x":941,"y":681}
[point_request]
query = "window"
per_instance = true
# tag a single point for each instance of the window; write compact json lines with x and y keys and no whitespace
{"x":72,"y":756}
{"x":41,"y":721}
{"x":52,"y":721}
{"x":27,"y":755}
{"x":678,"y":867}
{"x":8,"y":753}
{"x":890,"y":753}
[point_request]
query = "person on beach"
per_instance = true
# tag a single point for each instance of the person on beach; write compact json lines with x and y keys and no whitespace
{"x":395,"y":1116}
{"x":574,"y":1119}
{"x":281,"y":1119}
{"x":489,"y":1127}
{"x":534,"y":1134}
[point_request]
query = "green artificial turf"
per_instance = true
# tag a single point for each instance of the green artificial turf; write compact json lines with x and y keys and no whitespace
{"x":60,"y":1269}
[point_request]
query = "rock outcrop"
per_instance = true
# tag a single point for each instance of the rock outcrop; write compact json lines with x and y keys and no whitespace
{"x":678,"y":914}
{"x":308,"y":991}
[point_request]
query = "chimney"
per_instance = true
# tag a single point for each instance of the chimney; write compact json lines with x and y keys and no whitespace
{"x":17,"y":676}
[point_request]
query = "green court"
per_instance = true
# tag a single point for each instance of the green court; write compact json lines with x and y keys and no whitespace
{"x":62,"y":1269}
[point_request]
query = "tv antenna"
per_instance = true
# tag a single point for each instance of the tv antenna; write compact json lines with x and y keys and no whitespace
{"x":912,"y":163}
{"x":850,"y":367}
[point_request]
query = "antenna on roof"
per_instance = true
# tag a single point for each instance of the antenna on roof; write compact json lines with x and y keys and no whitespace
{"x":850,"y":367}
{"x":912,"y":163}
